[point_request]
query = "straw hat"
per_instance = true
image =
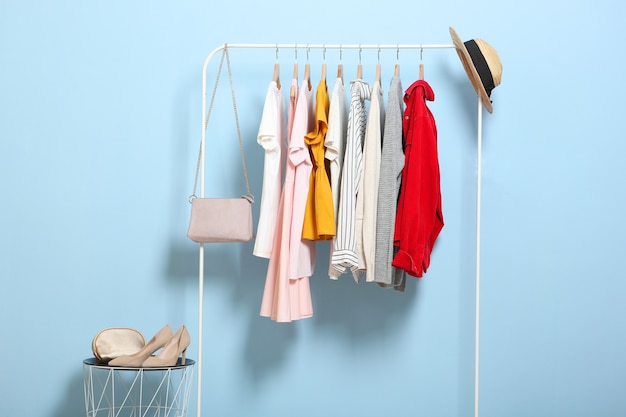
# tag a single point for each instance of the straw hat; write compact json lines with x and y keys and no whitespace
{"x":482,"y":65}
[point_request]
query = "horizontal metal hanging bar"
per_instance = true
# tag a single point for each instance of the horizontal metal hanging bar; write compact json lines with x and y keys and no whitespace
{"x":318,"y":46}
{"x":338,"y":46}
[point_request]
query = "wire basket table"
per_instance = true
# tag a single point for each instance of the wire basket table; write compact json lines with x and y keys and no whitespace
{"x":137,"y":392}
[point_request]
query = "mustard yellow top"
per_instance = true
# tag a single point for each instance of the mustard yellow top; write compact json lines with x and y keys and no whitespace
{"x":319,"y":215}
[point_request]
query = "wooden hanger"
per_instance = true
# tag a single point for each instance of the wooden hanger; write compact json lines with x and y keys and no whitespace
{"x":340,"y":65}
{"x":396,"y":70}
{"x":307,"y":75}
{"x":292,"y":91}
{"x":359,"y":68}
{"x":324,"y":65}
{"x":421,"y":64}
{"x":307,"y":69}
{"x":276,"y":77}
{"x":378,"y":67}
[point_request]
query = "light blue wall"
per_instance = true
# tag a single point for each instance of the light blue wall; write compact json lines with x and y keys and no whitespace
{"x":99,"y":128}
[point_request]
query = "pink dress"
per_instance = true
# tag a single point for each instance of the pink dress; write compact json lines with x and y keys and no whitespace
{"x":286,"y":297}
{"x":301,"y":251}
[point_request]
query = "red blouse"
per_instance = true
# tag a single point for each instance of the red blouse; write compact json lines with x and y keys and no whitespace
{"x":419,"y":218}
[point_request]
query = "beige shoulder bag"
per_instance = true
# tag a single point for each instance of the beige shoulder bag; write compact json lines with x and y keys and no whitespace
{"x":221,"y":219}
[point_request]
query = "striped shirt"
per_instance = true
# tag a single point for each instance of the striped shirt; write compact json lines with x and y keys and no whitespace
{"x":335,"y":143}
{"x":344,"y":255}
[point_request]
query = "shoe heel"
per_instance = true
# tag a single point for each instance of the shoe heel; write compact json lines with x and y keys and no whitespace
{"x":168,"y":356}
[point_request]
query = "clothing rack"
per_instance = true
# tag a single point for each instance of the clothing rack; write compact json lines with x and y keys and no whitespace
{"x":341,"y":47}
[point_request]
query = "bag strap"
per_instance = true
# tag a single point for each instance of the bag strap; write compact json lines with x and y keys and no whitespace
{"x":248,"y":194}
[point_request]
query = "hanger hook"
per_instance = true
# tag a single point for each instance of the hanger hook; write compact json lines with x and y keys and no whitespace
{"x":379,"y":53}
{"x":276,"y":52}
{"x":295,"y":51}
{"x":307,"y":52}
{"x":421,"y":52}
{"x":340,"y":52}
{"x":360,"y":53}
{"x":324,"y":53}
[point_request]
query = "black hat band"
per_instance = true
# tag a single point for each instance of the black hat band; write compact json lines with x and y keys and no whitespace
{"x":478,"y":59}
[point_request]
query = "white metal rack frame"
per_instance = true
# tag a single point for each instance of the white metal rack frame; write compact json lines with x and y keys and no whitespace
{"x":359,"y":47}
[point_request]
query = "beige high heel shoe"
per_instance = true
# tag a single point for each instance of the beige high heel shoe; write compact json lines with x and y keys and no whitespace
{"x":135,"y":360}
{"x":168,"y":356}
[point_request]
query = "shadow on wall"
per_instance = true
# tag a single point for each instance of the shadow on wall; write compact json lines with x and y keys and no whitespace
{"x":72,"y":404}
{"x":465,"y":94}
{"x":351,"y":313}
{"x":355,"y":311}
